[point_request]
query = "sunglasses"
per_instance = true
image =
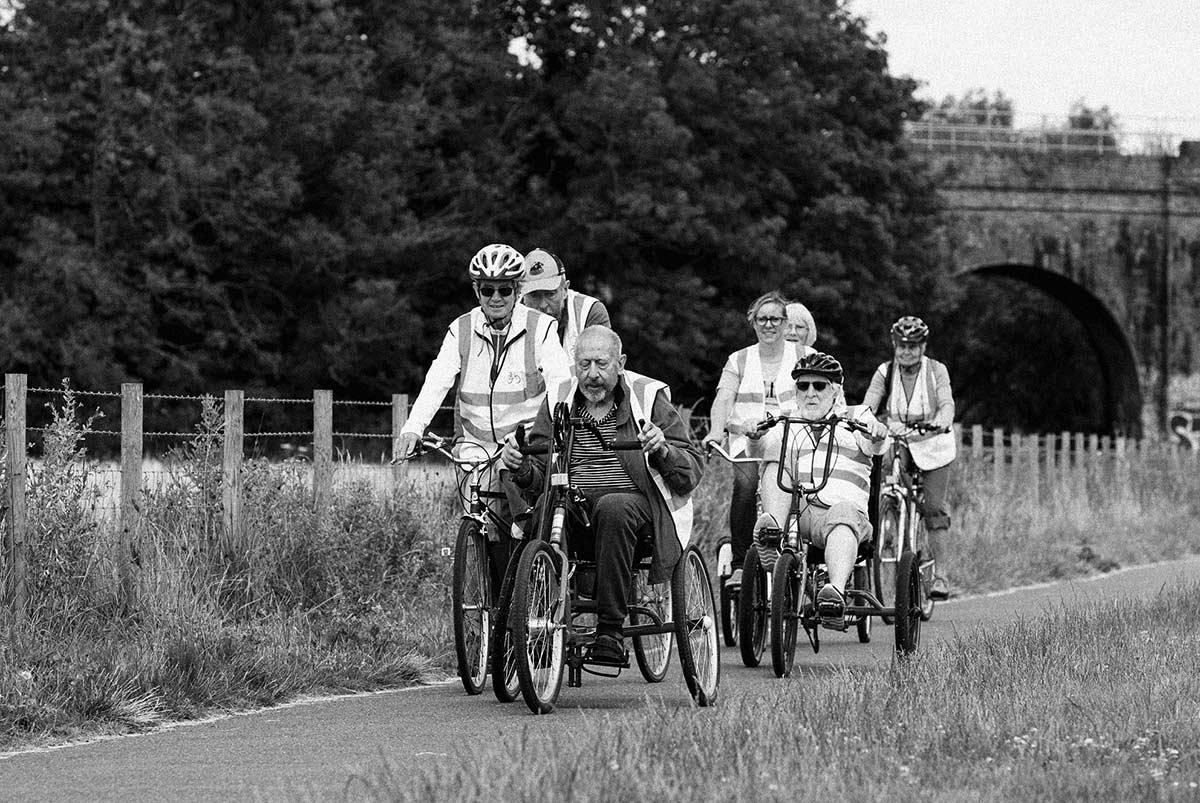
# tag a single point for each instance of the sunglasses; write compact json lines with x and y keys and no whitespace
{"x":818,"y":386}
{"x":488,"y":292}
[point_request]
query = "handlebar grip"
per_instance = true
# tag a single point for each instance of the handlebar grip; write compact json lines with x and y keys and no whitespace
{"x":520,"y":436}
{"x":625,"y":445}
{"x":534,"y":450}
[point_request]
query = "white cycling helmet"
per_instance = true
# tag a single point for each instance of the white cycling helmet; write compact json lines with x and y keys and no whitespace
{"x":497,"y":262}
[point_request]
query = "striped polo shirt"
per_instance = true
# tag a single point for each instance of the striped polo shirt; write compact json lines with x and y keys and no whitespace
{"x":594,"y":470}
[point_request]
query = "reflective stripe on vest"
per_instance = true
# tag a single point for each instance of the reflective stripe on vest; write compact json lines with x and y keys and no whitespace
{"x":486,"y":410}
{"x":579,"y":307}
{"x":642,"y":390}
{"x":849,"y":476}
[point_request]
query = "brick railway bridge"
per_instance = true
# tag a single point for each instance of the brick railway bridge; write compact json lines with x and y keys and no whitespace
{"x":1116,"y":239}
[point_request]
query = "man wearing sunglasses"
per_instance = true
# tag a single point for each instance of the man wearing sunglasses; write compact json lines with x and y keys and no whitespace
{"x":836,"y":518}
{"x":547,"y":290}
{"x":502,"y":354}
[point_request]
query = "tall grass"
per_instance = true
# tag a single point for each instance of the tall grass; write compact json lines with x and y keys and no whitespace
{"x":1096,"y":704}
{"x":351,"y":600}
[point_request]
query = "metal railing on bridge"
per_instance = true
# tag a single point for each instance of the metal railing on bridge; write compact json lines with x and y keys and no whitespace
{"x":1047,"y":134}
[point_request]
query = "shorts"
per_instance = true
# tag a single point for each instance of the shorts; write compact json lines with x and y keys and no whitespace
{"x":816,"y":523}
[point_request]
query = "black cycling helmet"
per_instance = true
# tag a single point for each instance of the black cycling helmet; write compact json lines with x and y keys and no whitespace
{"x":821,"y":364}
{"x":910,"y":329}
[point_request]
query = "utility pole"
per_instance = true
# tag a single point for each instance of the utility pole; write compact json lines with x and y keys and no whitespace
{"x":1164,"y":303}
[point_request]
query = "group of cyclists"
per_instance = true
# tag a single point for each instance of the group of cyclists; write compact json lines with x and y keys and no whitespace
{"x":533,"y":342}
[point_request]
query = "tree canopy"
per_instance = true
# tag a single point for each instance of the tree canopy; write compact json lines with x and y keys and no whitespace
{"x":284,"y":194}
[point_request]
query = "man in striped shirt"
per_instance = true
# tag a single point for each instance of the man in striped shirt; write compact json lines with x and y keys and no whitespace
{"x":835,"y":519}
{"x":633,"y":494}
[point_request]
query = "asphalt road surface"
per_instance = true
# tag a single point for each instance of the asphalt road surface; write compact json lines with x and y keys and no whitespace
{"x":310,"y":749}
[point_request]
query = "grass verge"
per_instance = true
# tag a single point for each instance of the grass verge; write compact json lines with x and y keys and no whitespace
{"x":1096,"y":703}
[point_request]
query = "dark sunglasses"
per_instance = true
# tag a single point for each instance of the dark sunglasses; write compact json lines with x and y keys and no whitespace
{"x":818,"y":386}
{"x":488,"y":292}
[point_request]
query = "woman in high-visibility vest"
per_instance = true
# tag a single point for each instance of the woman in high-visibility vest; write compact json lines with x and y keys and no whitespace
{"x":913,"y":388}
{"x":755,"y":381}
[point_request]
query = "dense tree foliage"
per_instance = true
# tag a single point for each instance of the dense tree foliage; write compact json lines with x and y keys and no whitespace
{"x":284,"y":194}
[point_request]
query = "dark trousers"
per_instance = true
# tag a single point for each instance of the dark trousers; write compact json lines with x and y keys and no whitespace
{"x":618,"y":520}
{"x":743,"y":510}
{"x":933,"y":509}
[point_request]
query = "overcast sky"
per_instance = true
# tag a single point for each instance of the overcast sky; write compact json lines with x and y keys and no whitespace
{"x":1141,"y":59}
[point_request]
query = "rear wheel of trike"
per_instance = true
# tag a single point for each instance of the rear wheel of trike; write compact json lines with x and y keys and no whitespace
{"x":694,"y":610}
{"x":653,"y":652}
{"x":539,"y":627}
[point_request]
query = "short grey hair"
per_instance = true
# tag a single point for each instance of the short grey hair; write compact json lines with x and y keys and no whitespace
{"x":611,"y":338}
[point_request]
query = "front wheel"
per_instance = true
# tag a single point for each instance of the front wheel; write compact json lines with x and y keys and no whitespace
{"x":471,"y":597}
{"x":908,"y":604}
{"x":785,"y":611}
{"x":539,"y":626}
{"x":888,"y":546}
{"x":694,"y":609}
{"x":505,"y":683}
{"x":753,"y":608}
{"x":729,"y":612}
{"x":863,"y":625}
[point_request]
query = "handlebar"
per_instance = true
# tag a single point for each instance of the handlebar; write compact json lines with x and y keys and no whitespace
{"x":615,"y":445}
{"x":712,"y":447}
{"x":442,"y":445}
{"x":830,"y":420}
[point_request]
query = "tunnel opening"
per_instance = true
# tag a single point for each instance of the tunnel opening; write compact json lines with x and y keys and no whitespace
{"x":1033,"y":351}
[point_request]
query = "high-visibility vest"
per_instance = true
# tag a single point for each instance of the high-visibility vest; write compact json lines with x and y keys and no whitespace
{"x":579,"y":306}
{"x":750,"y":402}
{"x":497,"y":392}
{"x":928,"y":451}
{"x":642,"y":390}
{"x":849,"y":474}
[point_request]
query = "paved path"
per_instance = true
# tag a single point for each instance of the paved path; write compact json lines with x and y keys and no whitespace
{"x":311,"y":749}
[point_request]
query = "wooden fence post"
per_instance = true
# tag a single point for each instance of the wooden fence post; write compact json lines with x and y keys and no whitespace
{"x":977,"y":442}
{"x":1064,"y":455}
{"x":399,"y":419}
{"x":231,"y":473}
{"x":1033,"y":445}
{"x":322,"y":450}
{"x":15,"y":587}
{"x":998,"y":457}
{"x":131,"y":487}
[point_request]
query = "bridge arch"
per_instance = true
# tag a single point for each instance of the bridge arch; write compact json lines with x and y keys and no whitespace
{"x":1122,"y":392}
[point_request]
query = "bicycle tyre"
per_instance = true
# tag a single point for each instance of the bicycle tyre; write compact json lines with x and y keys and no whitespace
{"x":863,"y":625}
{"x":908,"y":604}
{"x":653,"y":652}
{"x":729,"y":614}
{"x":539,"y":627}
{"x":753,"y":609}
{"x":920,"y":537}
{"x":694,"y":609}
{"x":785,"y":612}
{"x":471,"y":599}
{"x":506,"y":685}
{"x":884,"y":571}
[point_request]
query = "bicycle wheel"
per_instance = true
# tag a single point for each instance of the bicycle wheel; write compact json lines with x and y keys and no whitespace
{"x":693,"y":610}
{"x":785,"y":611}
{"x":926,"y":567}
{"x":729,"y":613}
{"x":888,"y":545}
{"x":539,"y":629}
{"x":653,"y":652}
{"x":754,"y":608}
{"x":471,"y":597}
{"x":863,"y":625}
{"x":908,"y":604}
{"x":505,"y":683}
